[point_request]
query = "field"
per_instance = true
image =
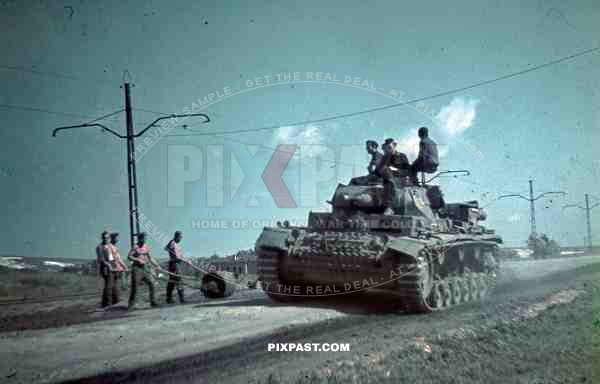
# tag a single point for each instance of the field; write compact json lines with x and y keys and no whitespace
{"x":26,"y":284}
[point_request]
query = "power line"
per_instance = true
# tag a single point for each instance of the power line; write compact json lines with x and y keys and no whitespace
{"x":385,"y":107}
{"x":57,"y":75}
{"x":107,"y":115}
{"x":587,"y":208}
{"x":32,"y":109}
{"x":532,"y":200}
{"x":151,"y":111}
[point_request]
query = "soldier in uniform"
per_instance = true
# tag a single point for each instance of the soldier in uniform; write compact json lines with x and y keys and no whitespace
{"x":392,"y":165}
{"x":427,"y":160}
{"x":106,"y":269}
{"x":120,"y":266}
{"x":175,"y":257}
{"x":375,"y":155}
{"x":141,"y":269}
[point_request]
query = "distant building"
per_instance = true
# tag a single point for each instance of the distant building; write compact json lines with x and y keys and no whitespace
{"x":242,"y":263}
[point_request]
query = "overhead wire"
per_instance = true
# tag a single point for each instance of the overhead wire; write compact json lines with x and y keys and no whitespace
{"x":54,"y":74}
{"x":396,"y":105}
{"x":106,"y":116}
{"x":32,"y":109}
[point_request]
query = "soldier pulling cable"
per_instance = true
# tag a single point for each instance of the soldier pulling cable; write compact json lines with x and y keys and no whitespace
{"x":175,"y":258}
{"x":141,"y":270}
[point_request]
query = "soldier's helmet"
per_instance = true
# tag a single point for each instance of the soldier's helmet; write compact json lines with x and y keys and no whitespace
{"x":372,"y":143}
{"x":423,"y":132}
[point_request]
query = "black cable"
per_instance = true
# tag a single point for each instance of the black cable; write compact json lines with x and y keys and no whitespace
{"x":31,"y":109}
{"x":151,"y":111}
{"x":377,"y":109}
{"x":52,"y":74}
{"x":107,"y":115}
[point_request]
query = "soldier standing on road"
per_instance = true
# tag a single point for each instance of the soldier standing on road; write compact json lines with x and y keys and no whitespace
{"x":120,"y":266}
{"x":392,"y":164}
{"x":375,"y":156}
{"x":175,"y":257}
{"x":141,"y":270}
{"x":105,"y":268}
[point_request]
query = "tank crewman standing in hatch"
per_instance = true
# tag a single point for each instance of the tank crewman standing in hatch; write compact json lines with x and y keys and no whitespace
{"x":175,"y":257}
{"x":140,"y":269}
{"x":393,"y":164}
{"x":427,"y":160}
{"x":375,"y":156}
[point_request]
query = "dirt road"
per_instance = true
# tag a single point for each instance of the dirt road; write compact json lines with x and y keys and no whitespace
{"x":227,"y":341}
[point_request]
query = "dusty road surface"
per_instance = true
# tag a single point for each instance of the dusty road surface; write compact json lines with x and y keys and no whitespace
{"x":227,"y":341}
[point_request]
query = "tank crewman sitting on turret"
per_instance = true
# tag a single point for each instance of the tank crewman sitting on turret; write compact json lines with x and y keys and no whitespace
{"x":393,"y":164}
{"x":427,"y":159}
{"x":375,"y":156}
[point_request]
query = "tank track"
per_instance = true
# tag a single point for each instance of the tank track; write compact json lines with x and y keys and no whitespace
{"x":444,"y":292}
{"x":447,"y":292}
{"x":411,"y":286}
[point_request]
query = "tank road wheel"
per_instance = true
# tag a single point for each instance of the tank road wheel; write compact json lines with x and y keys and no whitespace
{"x":446,"y":294}
{"x":483,"y":286}
{"x":464,"y":289}
{"x":476,"y":287}
{"x":436,"y":298}
{"x":473,"y":288}
{"x":456,"y":292}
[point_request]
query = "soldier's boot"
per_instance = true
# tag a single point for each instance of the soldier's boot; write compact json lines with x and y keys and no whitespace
{"x":152,"y":298}
{"x":388,"y":197}
{"x":107,"y":290}
{"x":115,"y":292}
{"x":170,"y":287}
{"x":181,"y":295}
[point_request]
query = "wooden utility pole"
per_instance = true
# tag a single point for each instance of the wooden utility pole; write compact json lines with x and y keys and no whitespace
{"x":134,"y":224}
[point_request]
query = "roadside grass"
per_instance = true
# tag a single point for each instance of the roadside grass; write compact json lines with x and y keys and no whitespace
{"x":15,"y":284}
{"x":561,"y":345}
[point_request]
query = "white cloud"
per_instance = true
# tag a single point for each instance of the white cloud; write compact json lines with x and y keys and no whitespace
{"x":457,"y":116}
{"x":409,"y":145}
{"x":307,"y":135}
{"x":283,"y":135}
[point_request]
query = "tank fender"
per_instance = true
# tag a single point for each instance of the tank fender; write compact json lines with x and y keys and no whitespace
{"x":408,"y":246}
{"x":274,"y":238}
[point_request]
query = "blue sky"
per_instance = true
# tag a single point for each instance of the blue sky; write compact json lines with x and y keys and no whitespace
{"x":60,"y":193}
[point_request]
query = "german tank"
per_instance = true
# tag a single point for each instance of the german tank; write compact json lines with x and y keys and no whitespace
{"x":430,"y":254}
{"x":542,"y":247}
